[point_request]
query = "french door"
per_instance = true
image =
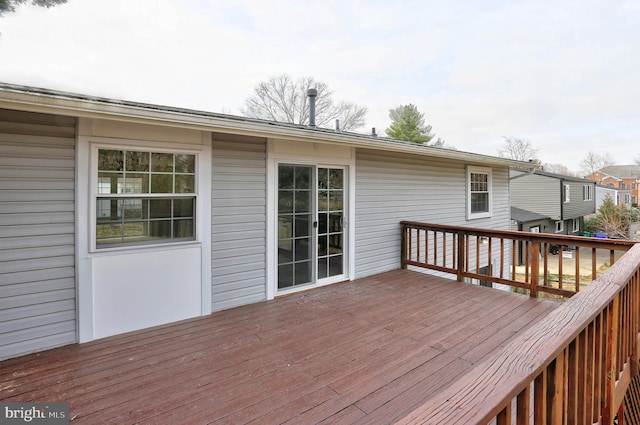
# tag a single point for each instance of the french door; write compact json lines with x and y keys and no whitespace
{"x":311,"y":225}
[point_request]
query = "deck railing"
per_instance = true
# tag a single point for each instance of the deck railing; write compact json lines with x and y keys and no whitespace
{"x":534,"y":262}
{"x":574,"y":367}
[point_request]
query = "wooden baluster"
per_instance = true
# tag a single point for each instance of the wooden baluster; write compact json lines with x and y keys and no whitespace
{"x":477,"y":254}
{"x":535,"y":269}
{"x":556,"y":389}
{"x":461,"y":255}
{"x":489,"y":259}
{"x":513,"y":259}
{"x":504,"y":417}
{"x":560,"y":267}
{"x":466,"y":252}
{"x":403,"y":247}
{"x":611,"y":357}
{"x":577,"y":254}
{"x":545,"y":279}
{"x":540,"y":388}
{"x":501,"y":258}
{"x":435,"y":247}
{"x":523,"y":406}
{"x":444,"y":249}
{"x":572,"y":384}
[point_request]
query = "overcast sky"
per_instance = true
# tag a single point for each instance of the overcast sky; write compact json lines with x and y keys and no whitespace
{"x":563,"y":74}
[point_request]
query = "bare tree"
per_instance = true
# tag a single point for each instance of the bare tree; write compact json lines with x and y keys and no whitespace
{"x":558,"y":169}
{"x":283,"y":99}
{"x":518,"y":149}
{"x":593,"y":162}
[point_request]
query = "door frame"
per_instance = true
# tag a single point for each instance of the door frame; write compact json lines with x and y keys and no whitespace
{"x":316,"y":155}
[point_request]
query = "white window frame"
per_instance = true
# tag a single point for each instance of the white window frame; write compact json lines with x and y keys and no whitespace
{"x":575,"y":225}
{"x":94,"y":196}
{"x":566,"y":193}
{"x":587,"y":192}
{"x":559,"y":226}
{"x":481,"y":214}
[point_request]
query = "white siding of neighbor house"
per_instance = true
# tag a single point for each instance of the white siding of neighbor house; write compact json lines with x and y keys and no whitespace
{"x":238,"y":222}
{"x":37,"y":255}
{"x":391,"y":188}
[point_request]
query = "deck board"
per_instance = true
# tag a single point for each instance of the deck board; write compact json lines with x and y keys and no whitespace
{"x":366,"y":351}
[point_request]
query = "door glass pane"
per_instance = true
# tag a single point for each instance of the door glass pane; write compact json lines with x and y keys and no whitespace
{"x":302,"y":272}
{"x":336,"y":180}
{"x":323,"y":200}
{"x":330,"y":225}
{"x":335,"y":265}
{"x":295,"y":216}
{"x":323,"y":268}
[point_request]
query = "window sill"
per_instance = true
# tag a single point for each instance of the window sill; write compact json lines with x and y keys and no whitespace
{"x":144,"y":248}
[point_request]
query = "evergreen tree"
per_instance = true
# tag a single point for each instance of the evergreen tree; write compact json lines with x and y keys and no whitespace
{"x":10,"y":5}
{"x":407,"y":123}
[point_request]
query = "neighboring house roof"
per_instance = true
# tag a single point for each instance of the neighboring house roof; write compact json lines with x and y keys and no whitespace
{"x":51,"y":101}
{"x":622,"y":171}
{"x":523,"y":216}
{"x":556,"y":176}
{"x":601,"y":186}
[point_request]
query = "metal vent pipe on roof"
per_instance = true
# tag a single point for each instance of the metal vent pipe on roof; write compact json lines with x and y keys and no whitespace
{"x":312,"y":93}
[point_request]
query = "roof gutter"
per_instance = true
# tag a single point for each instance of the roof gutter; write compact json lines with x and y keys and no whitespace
{"x":53,"y":102}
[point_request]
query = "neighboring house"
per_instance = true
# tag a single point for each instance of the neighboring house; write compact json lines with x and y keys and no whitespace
{"x":550,"y":203}
{"x":527,"y":221}
{"x":624,"y":177}
{"x":116,"y":216}
{"x":603,"y":191}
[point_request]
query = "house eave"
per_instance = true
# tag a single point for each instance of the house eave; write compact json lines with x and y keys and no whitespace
{"x":34,"y":99}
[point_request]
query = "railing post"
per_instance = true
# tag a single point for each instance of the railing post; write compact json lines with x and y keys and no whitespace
{"x":535,"y":269}
{"x":461,"y":256}
{"x":403,"y":246}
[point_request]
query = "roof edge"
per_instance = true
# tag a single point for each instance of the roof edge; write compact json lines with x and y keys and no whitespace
{"x":36,"y":99}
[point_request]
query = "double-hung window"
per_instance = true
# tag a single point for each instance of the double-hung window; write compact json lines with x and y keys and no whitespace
{"x":478,"y":192}
{"x":144,"y":197}
{"x":587,"y":192}
{"x":566,"y":193}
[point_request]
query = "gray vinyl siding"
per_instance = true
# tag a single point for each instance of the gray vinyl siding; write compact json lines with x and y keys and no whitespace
{"x":577,"y":207}
{"x":37,"y":232}
{"x":539,"y":194}
{"x":391,"y":188}
{"x":238,"y":223}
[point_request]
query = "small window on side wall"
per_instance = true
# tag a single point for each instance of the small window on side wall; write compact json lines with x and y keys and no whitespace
{"x":566,"y":193}
{"x":575,"y":225}
{"x":479,"y":192}
{"x":559,"y":226}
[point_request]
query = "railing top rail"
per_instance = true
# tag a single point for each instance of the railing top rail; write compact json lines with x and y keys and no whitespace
{"x":605,"y":243}
{"x":480,"y":395}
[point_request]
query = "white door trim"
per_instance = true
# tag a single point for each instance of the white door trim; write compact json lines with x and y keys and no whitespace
{"x":317,"y":155}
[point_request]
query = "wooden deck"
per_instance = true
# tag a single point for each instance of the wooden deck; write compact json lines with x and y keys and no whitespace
{"x":367,"y":352}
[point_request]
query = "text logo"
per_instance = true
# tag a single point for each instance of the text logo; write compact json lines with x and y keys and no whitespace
{"x":34,"y":413}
